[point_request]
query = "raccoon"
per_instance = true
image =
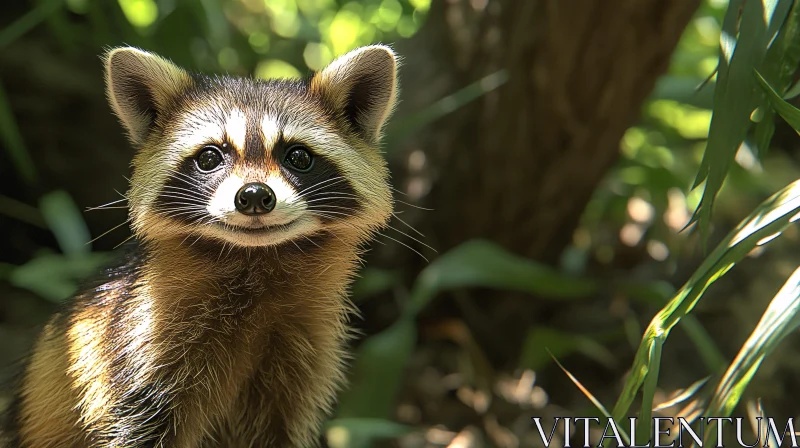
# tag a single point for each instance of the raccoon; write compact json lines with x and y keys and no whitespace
{"x":226,"y":322}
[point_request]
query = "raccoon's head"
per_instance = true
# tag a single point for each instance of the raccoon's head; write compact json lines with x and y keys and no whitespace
{"x":253,"y":162}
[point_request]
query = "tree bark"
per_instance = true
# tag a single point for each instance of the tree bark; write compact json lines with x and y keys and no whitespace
{"x":519,"y":165}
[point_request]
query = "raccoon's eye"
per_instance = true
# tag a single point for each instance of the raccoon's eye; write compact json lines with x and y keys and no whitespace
{"x":299,"y":158}
{"x":209,"y":158}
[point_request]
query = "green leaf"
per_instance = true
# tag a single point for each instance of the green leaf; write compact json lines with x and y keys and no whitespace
{"x":763,"y":225}
{"x":479,"y":263}
{"x":378,"y":371}
{"x":735,"y":97}
{"x":789,"y":113}
{"x":66,"y":222}
{"x":56,"y":277}
{"x":644,"y":425}
{"x":778,"y":69}
{"x":778,"y":321}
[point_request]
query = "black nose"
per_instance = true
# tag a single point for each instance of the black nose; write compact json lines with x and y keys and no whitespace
{"x":255,"y":199}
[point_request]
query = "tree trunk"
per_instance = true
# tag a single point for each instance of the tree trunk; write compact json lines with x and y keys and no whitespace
{"x":519,"y":165}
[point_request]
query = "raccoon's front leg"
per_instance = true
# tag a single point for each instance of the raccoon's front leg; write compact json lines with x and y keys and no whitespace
{"x":163,"y":406}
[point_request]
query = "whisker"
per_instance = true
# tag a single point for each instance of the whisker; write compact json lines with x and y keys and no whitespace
{"x":324,"y":194}
{"x":191,"y":181}
{"x":407,"y":224}
{"x":185,"y":190}
{"x":124,"y":241}
{"x":398,"y":191}
{"x":327,"y":199}
{"x":306,"y":190}
{"x":189,"y":200}
{"x":176,"y":190}
{"x":94,"y":209}
{"x":109,"y":231}
{"x":406,"y":245}
{"x":317,"y":207}
{"x":347,"y":215}
{"x":413,"y":205}
{"x":409,"y":236}
{"x":107,"y":205}
{"x":319,"y":186}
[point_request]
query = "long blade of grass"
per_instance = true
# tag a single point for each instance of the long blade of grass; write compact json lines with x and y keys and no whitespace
{"x":762,"y":226}
{"x":778,"y":69}
{"x":779,"y":320}
{"x":688,"y":393}
{"x":625,"y":437}
{"x":644,"y":425}
{"x":735,"y":97}
{"x":788,"y":112}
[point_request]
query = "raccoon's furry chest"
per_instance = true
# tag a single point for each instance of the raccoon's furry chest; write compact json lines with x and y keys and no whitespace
{"x":261,"y":352}
{"x":186,"y":360}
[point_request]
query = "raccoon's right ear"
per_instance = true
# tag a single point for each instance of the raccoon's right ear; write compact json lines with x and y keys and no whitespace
{"x":139,"y":86}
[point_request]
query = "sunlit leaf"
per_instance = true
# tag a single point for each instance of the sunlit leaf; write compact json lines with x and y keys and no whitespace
{"x":767,"y":220}
{"x":686,"y":394}
{"x":778,"y":321}
{"x":735,"y":97}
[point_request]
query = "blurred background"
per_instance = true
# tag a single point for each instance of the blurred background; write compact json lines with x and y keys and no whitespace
{"x":543,"y":158}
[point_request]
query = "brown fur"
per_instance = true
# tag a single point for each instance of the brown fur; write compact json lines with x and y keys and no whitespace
{"x":196,"y":341}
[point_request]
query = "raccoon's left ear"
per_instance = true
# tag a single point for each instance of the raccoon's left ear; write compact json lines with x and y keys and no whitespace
{"x":362,"y":86}
{"x":140,"y":85}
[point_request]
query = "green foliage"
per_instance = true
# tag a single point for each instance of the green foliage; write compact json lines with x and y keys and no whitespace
{"x":779,"y":320}
{"x":749,"y":33}
{"x":695,"y":129}
{"x":762,"y":226}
